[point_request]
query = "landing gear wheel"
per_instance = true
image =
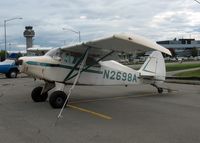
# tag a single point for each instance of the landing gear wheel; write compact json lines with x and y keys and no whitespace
{"x":37,"y":96}
{"x":57,"y":99}
{"x":160,"y":90}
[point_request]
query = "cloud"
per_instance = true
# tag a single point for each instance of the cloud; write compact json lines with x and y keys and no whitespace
{"x":157,"y":20}
{"x":162,"y":18}
{"x":186,"y":18}
{"x":83,"y":17}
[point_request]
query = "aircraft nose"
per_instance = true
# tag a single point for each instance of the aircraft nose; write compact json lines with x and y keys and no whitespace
{"x":20,"y":62}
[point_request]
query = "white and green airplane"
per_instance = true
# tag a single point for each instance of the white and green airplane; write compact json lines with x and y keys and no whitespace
{"x":88,"y":63}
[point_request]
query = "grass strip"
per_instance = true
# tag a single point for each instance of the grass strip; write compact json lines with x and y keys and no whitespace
{"x":182,"y":66}
{"x":195,"y":73}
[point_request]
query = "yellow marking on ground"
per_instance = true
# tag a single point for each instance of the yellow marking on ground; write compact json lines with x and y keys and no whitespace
{"x":91,"y":112}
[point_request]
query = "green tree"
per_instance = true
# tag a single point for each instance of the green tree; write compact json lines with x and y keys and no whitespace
{"x":19,"y":54}
{"x":2,"y":55}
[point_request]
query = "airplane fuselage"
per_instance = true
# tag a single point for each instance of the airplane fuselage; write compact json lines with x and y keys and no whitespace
{"x":106,"y":73}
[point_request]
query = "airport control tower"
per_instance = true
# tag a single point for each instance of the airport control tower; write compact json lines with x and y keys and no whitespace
{"x":29,"y":34}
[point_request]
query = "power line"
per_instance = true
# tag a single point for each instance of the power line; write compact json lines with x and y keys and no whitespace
{"x":197,"y":1}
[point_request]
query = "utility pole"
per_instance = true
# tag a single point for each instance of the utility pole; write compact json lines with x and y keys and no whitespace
{"x":5,"y":22}
{"x":197,"y":1}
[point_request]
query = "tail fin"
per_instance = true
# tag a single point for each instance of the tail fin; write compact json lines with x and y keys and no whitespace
{"x":154,"y":67}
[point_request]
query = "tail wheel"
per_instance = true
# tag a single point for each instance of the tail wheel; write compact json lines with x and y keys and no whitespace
{"x":57,"y":99}
{"x":160,"y":90}
{"x":37,"y":96}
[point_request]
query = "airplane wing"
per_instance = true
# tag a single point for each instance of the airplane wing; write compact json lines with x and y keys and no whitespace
{"x":118,"y":43}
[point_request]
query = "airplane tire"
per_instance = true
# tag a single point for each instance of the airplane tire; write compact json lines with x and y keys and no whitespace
{"x":57,"y":99}
{"x":160,"y":90}
{"x":37,"y":96}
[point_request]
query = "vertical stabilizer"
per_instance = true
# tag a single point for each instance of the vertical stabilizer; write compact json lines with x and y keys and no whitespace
{"x":154,"y":66}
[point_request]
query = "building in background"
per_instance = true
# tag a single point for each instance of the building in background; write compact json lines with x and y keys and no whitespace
{"x":182,"y":47}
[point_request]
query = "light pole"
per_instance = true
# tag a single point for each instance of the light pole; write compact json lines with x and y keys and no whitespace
{"x":5,"y":21}
{"x":77,"y":32}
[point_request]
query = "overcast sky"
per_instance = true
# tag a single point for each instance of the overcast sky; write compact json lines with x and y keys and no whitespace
{"x":154,"y":19}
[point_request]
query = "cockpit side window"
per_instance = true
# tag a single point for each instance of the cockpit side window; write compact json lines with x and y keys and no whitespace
{"x":92,"y":61}
{"x":69,"y":58}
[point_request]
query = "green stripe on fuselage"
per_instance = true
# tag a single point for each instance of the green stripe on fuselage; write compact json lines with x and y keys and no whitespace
{"x":60,"y":66}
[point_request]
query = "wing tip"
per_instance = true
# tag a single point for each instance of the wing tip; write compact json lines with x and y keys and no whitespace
{"x":170,"y":53}
{"x":166,"y":51}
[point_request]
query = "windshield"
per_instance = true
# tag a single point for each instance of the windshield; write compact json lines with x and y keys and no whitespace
{"x":54,"y":52}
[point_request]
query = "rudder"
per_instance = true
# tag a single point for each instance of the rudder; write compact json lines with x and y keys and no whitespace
{"x":154,"y":66}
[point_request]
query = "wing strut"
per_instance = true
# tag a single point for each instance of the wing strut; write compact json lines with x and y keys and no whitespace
{"x":76,"y":65}
{"x":84,"y":69}
{"x":82,"y":61}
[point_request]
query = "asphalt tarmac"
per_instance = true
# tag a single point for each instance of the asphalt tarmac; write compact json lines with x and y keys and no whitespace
{"x":110,"y":114}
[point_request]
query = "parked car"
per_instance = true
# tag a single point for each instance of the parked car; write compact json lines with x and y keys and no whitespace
{"x":9,"y":68}
{"x":197,"y":58}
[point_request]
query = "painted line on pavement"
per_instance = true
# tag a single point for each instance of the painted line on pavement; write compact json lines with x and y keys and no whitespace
{"x":90,"y":112}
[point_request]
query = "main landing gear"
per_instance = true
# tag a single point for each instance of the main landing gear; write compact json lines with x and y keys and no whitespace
{"x":56,"y":99}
